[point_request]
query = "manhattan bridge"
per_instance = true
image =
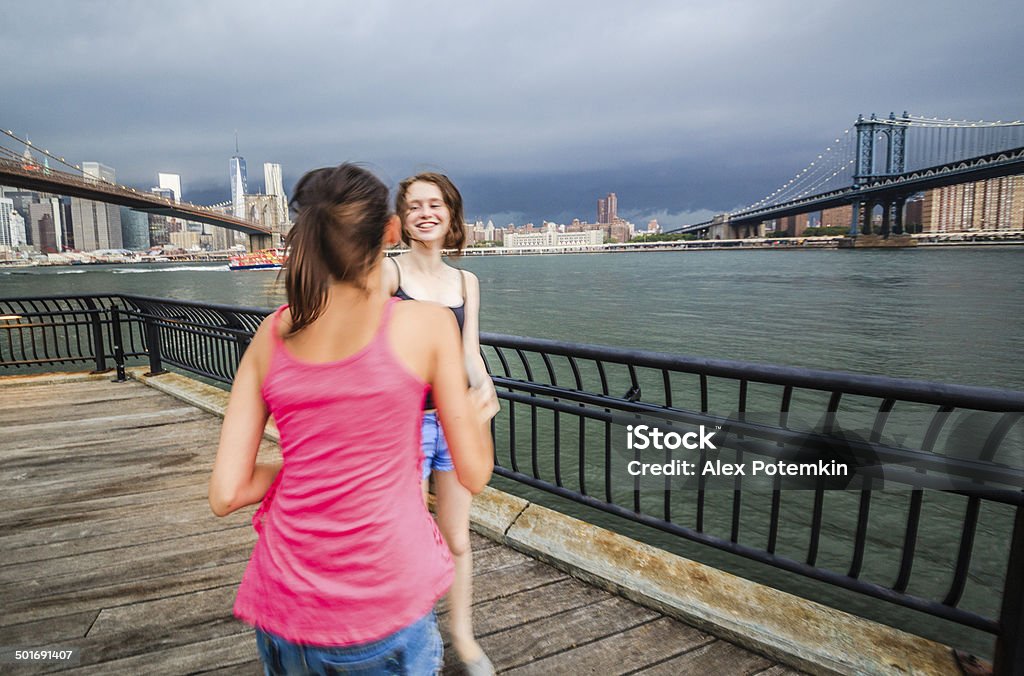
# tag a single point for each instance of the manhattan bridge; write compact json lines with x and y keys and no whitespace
{"x":881,"y":163}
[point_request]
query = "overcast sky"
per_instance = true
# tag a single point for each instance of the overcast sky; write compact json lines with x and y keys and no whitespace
{"x":536,"y":109}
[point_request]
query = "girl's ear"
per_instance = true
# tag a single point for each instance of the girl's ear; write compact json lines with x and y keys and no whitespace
{"x":393,"y":231}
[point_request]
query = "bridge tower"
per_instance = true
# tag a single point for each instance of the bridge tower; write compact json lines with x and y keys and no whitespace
{"x":871,"y":134}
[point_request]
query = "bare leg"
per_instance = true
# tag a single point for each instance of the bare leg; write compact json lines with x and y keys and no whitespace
{"x":453,"y":519}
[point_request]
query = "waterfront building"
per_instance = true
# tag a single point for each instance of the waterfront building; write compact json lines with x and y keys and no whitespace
{"x":22,"y":199}
{"x":652,"y":227}
{"x":620,"y":230}
{"x":50,"y":223}
{"x":993,"y":204}
{"x":236,"y":169}
{"x":794,"y":226}
{"x":553,"y":238}
{"x":12,"y":226}
{"x":134,"y":229}
{"x":186,"y":239}
{"x":159,"y":230}
{"x":837,"y":217}
{"x":168,"y":224}
{"x":273,"y":185}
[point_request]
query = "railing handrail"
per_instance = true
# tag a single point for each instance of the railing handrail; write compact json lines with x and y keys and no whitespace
{"x":921,"y":391}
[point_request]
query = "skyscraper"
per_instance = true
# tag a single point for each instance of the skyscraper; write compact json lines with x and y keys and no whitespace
{"x":170,"y":182}
{"x":8,"y":235}
{"x":95,"y":225}
{"x":236,"y":168}
{"x":134,"y":229}
{"x":608,"y":209}
{"x":274,"y":186}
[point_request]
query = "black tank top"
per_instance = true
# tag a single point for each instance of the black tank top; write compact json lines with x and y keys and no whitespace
{"x":459,"y":311}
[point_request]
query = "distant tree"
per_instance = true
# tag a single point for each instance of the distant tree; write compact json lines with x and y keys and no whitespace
{"x":826,"y":231}
{"x":666,"y":237}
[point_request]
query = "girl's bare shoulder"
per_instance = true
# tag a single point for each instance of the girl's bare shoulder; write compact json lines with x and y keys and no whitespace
{"x":423,"y":318}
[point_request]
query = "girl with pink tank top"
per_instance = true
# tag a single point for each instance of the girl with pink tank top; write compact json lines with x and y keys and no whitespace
{"x":348,"y":563}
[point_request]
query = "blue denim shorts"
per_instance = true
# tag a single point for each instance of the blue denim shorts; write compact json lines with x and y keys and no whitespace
{"x":415,"y":650}
{"x":435,"y":447}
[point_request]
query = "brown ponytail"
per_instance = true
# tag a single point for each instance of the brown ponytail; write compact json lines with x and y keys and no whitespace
{"x":341,"y":215}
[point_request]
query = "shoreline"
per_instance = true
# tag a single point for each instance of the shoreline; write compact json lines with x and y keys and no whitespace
{"x":927,"y":240}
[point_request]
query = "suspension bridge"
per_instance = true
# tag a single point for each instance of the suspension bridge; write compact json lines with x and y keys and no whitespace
{"x":879,"y":163}
{"x":21,"y":168}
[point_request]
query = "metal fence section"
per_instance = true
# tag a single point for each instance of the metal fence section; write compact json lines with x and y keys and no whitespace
{"x":945,"y":476}
{"x":945,"y":469}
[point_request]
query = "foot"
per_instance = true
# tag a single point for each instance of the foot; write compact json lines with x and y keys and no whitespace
{"x":481,"y":666}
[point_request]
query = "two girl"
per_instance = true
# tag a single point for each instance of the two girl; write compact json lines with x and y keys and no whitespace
{"x":349,"y":563}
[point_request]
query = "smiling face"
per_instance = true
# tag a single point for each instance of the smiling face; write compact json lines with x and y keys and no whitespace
{"x":430,"y":207}
{"x":427,"y":217}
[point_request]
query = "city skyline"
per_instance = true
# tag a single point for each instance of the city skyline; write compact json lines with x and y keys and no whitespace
{"x":682,"y":111}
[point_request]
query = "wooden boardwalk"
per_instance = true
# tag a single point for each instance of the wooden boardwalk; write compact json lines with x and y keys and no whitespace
{"x":107,"y":545}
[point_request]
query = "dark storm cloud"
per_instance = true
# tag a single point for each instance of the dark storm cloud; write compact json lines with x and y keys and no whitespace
{"x":536,"y":108}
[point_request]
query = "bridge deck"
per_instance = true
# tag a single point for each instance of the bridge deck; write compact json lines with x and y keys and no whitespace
{"x":108,"y":546}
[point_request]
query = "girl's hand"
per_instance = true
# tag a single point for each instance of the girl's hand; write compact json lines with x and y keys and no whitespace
{"x":481,"y":390}
{"x":484,"y":399}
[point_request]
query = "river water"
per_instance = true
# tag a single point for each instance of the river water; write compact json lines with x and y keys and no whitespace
{"x":953,"y":315}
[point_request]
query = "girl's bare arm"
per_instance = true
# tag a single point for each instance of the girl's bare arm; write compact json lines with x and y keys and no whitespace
{"x":466,"y":426}
{"x":479,"y":379}
{"x":237,"y":479}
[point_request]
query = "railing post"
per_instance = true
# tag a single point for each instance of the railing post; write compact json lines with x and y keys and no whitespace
{"x":156,"y":366}
{"x":1009,"y":657}
{"x":97,"y":337}
{"x":115,"y":325}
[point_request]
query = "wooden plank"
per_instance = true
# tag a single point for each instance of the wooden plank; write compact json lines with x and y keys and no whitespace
{"x":623,"y":652}
{"x":147,"y":525}
{"x":107,"y":428}
{"x":719,"y":657}
{"x":58,"y":396}
{"x":25,"y":581}
{"x":122,"y":592}
{"x":143,"y":627}
{"x":479,"y":543}
{"x":496,"y":557}
{"x":231,"y":654}
{"x":780,"y":670}
{"x":525,"y":643}
{"x":503,"y":582}
{"x":252,"y":668}
{"x":23,"y":412}
{"x":60,"y":628}
{"x":527,"y":606}
{"x":95,"y":509}
{"x":509,"y":580}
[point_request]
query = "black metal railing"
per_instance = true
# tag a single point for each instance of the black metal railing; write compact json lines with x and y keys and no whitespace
{"x":935,"y":523}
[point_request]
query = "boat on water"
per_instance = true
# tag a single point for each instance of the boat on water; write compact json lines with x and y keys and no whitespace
{"x":266,"y":259}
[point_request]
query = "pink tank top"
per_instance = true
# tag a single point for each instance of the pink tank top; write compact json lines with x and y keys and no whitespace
{"x":347,"y":552}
